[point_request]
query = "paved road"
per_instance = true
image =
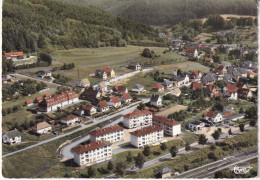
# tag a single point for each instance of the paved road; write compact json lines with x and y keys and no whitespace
{"x":125,"y":111}
{"x":181,"y":151}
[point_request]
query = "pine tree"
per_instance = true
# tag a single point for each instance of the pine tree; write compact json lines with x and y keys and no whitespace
{"x":147,"y":150}
{"x":110,"y":166}
{"x":139,"y":160}
{"x":202,"y":139}
{"x":129,"y":157}
{"x":173,"y":150}
{"x":163,"y":146}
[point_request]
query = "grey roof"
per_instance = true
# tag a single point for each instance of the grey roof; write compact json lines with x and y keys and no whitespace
{"x":133,"y":63}
{"x":227,"y":78}
{"x":179,"y":77}
{"x":44,"y":72}
{"x":240,"y":115}
{"x":194,"y":122}
{"x":154,"y":98}
{"x":241,"y":70}
{"x":225,"y":63}
{"x":165,"y":169}
{"x":167,"y":82}
{"x":138,"y":86}
{"x":208,"y":78}
{"x":13,"y":133}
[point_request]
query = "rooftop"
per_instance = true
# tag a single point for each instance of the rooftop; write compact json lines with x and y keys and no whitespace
{"x":146,"y":130}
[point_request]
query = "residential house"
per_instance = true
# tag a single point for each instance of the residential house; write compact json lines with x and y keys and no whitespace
{"x":12,"y":137}
{"x":196,"y":76}
{"x":150,"y":135}
{"x":102,"y":106}
{"x":208,"y":78}
{"x":114,"y":101}
{"x":196,"y":85}
{"x":251,"y":74}
{"x":249,"y":64}
{"x":192,"y":52}
{"x":45,"y":74}
{"x":138,"y":88}
{"x":14,"y":56}
{"x":92,"y":153}
{"x":126,"y":98}
{"x":235,"y":117}
{"x":110,"y":134}
{"x":134,"y":65}
{"x":167,"y":83}
{"x":38,"y":99}
{"x":229,"y":78}
{"x":70,"y":120}
{"x":138,"y":119}
{"x":210,"y":60}
{"x":92,"y":94}
{"x":101,"y":87}
{"x":120,"y":90}
{"x":240,"y":85}
{"x":66,"y":98}
{"x":28,"y":102}
{"x":156,"y":100}
{"x":43,"y":128}
{"x":220,"y":70}
{"x":176,"y":92}
{"x":165,"y":172}
{"x":181,"y":79}
{"x":213,"y":116}
{"x":109,"y":72}
{"x":170,"y":126}
{"x":89,"y":110}
{"x":79,"y":112}
{"x":212,"y":90}
{"x":158,"y":87}
{"x":83,"y":83}
{"x":195,"y":125}
{"x":244,"y":93}
{"x":230,"y":91}
{"x":225,"y":64}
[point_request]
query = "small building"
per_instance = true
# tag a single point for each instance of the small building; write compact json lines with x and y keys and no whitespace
{"x":230,"y":91}
{"x":165,"y":172}
{"x":38,"y":99}
{"x":196,"y":85}
{"x":134,"y":65}
{"x":79,"y":112}
{"x":180,"y":80}
{"x":195,"y":125}
{"x":138,"y":119}
{"x":158,"y":87}
{"x":156,"y":100}
{"x":244,"y":93}
{"x":176,"y":92}
{"x":138,"y":88}
{"x":45,"y":74}
{"x":102,"y":87}
{"x":120,"y":90}
{"x":111,"y":134}
{"x":114,"y":101}
{"x":126,"y":98}
{"x":89,"y":110}
{"x":70,"y":120}
{"x":192,"y":52}
{"x":14,"y":56}
{"x":210,"y":60}
{"x":212,"y":90}
{"x":102,"y":106}
{"x":213,"y":116}
{"x":43,"y":128}
{"x":167,"y":83}
{"x":92,"y":94}
{"x":235,"y":117}
{"x":150,"y":135}
{"x":93,"y":153}
{"x":105,"y":73}
{"x":170,"y":126}
{"x":208,"y":79}
{"x":83,"y":83}
{"x":196,"y":75}
{"x":12,"y":137}
{"x":28,"y":102}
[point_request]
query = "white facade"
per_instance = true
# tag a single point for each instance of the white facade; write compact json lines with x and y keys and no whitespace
{"x":111,"y":137}
{"x":44,"y":130}
{"x":71,"y":121}
{"x":135,"y":121}
{"x":9,"y":140}
{"x":171,"y":130}
{"x":217,"y":118}
{"x":93,"y":156}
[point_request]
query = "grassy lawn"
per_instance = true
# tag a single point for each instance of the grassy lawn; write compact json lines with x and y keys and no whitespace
{"x":10,"y":148}
{"x":199,"y":157}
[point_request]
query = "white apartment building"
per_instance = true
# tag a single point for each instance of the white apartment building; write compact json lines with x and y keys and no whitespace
{"x":111,"y":134}
{"x":150,"y":135}
{"x":49,"y":104}
{"x":170,"y":126}
{"x":138,"y":119}
{"x":92,"y":153}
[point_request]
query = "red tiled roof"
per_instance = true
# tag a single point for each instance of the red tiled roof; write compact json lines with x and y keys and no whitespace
{"x":219,"y":68}
{"x":89,"y":147}
{"x":239,"y":84}
{"x":152,"y":109}
{"x":210,"y":113}
{"x":69,"y":117}
{"x":210,"y":87}
{"x":28,"y":101}
{"x":208,"y":59}
{"x":115,"y":99}
{"x":38,"y":98}
{"x":146,"y":130}
{"x":227,"y":113}
{"x":217,"y":94}
{"x":102,"y":104}
{"x":196,"y":85}
{"x":107,"y":70}
{"x":87,"y":107}
{"x":203,"y":47}
{"x":120,"y":89}
{"x":14,"y":53}
{"x":231,"y":88}
{"x":157,"y":86}
{"x":106,"y":130}
{"x":243,"y":91}
{"x":255,"y":70}
{"x":137,"y":113}
{"x":190,"y":50}
{"x":47,"y":95}
{"x":196,"y":73}
{"x":42,"y":125}
{"x":165,"y":120}
{"x":126,"y":96}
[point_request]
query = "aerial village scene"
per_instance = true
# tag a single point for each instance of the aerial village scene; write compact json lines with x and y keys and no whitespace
{"x":89,"y":93}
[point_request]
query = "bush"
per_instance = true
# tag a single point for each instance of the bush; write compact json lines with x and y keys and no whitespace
{"x":212,"y":155}
{"x":156,"y":153}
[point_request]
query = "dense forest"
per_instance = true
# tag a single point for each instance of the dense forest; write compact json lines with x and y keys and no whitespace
{"x":34,"y":25}
{"x":169,"y":12}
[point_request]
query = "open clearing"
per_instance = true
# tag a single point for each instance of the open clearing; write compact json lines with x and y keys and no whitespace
{"x":171,"y":110}
{"x":227,"y":16}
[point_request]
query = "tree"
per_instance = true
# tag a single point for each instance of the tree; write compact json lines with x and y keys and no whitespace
{"x":120,"y":169}
{"x":241,"y":110}
{"x":139,"y":160}
{"x":216,"y":22}
{"x":216,"y":135}
{"x":146,"y":150}
{"x":163,"y":146}
{"x":173,"y":150}
{"x":187,"y":146}
{"x":212,"y":155}
{"x":252,"y":122}
{"x":110,"y":166}
{"x":242,"y":127}
{"x":230,"y":132}
{"x":91,"y":172}
{"x":202,"y":139}
{"x":129,"y":157}
{"x":141,"y":106}
{"x":46,"y":57}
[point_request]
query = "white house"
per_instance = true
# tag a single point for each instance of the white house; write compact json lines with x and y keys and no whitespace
{"x":134,"y":65}
{"x":138,"y":88}
{"x":45,"y":73}
{"x":49,"y":104}
{"x":156,"y":100}
{"x":83,"y":83}
{"x":126,"y":98}
{"x":111,"y":134}
{"x":195,"y":125}
{"x":138,"y":119}
{"x":89,"y":110}
{"x":114,"y":101}
{"x":70,"y":120}
{"x":28,"y":103}
{"x":170,"y":126}
{"x":12,"y":137}
{"x":43,"y":128}
{"x":150,"y":135}
{"x":213,"y":116}
{"x":176,"y":92}
{"x":92,"y":153}
{"x":102,"y":106}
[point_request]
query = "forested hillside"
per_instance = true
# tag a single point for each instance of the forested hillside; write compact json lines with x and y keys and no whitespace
{"x":32,"y":25}
{"x":161,"y":12}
